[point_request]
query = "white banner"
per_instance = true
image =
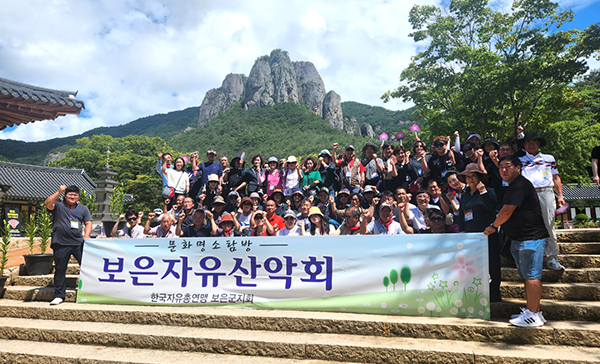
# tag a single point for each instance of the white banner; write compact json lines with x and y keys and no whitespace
{"x":428,"y":274}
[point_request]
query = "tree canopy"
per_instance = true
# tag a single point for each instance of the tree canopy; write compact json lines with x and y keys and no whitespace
{"x":132,"y":157}
{"x":488,"y":71}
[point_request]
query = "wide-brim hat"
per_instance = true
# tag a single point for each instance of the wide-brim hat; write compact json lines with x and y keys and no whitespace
{"x":246,"y":200}
{"x":291,"y":159}
{"x":273,"y":159}
{"x":471,"y":168}
{"x":213,"y":178}
{"x":370,"y":144}
{"x":226,"y":217}
{"x":531,"y":135}
{"x":219,"y":199}
{"x":315,"y":211}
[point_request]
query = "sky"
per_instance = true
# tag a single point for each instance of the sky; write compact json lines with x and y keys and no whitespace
{"x":130,"y":59}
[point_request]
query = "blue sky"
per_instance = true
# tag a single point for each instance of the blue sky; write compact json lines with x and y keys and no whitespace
{"x":133,"y":58}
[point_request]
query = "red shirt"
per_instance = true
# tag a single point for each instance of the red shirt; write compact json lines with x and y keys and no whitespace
{"x":276,"y":220}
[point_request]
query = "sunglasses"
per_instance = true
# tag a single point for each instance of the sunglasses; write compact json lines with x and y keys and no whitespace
{"x":132,"y":219}
{"x":436,"y":218}
{"x":290,"y":218}
{"x":259,"y":218}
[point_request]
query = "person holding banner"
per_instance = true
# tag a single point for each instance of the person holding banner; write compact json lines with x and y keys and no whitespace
{"x":521,"y":219}
{"x":68,"y":219}
{"x":477,"y":211}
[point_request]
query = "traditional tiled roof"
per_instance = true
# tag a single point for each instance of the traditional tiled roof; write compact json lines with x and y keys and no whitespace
{"x":573,"y":192}
{"x":21,"y":103}
{"x":30,"y":182}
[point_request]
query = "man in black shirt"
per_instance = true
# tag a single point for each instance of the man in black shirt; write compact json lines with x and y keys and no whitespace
{"x":71,"y":227}
{"x":521,"y":220}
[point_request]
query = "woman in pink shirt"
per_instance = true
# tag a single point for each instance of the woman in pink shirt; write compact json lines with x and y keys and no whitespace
{"x":273,"y":181}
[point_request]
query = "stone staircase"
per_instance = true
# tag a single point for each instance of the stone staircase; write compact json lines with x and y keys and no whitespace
{"x":34,"y":332}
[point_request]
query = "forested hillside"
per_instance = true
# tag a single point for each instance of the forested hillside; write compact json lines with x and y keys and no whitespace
{"x":280,"y":130}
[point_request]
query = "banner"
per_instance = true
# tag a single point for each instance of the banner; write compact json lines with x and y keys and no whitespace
{"x":12,"y":214}
{"x":427,"y":275}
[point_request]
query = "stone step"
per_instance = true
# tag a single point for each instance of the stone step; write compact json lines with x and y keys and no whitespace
{"x":579,"y":248}
{"x":19,"y":351}
{"x":577,"y":235}
{"x":555,"y":291}
{"x":43,"y":281}
{"x":296,"y":345}
{"x":28,"y":293}
{"x":73,"y":269}
{"x":442,"y":328}
{"x":569,"y":261}
{"x":553,"y":309}
{"x":571,"y":275}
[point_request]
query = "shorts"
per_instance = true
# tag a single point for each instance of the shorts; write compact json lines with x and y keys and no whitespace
{"x":529,"y":257}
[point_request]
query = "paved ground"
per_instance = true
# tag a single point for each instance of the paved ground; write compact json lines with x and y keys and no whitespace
{"x":15,"y":257}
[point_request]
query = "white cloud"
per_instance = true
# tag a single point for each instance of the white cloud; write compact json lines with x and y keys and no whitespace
{"x":135,"y":58}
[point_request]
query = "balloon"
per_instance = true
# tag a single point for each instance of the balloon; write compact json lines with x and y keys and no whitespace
{"x":383,"y":136}
{"x":185,"y":158}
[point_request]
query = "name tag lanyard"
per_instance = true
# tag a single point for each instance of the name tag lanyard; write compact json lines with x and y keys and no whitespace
{"x":74,"y":220}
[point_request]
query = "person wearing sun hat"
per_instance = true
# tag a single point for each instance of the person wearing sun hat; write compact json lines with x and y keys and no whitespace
{"x":318,"y":225}
{"x":541,"y":170}
{"x":292,"y":176}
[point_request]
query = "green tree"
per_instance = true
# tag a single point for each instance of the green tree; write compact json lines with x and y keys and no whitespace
{"x":394,"y":278}
{"x":386,"y":282}
{"x":488,"y":71}
{"x":133,"y":158}
{"x":405,"y":275}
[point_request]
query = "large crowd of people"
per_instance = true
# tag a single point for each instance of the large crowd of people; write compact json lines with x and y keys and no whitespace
{"x":427,"y":189}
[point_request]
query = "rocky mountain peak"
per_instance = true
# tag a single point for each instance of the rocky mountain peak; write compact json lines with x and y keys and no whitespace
{"x":275,"y":79}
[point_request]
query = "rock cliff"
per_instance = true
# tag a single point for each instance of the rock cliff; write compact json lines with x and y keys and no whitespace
{"x":221,"y":99}
{"x":275,"y":79}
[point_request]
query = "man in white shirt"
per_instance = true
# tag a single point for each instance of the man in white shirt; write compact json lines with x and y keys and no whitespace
{"x":540,"y":169}
{"x":134,"y":230}
{"x":291,"y":228}
{"x":416,"y":216}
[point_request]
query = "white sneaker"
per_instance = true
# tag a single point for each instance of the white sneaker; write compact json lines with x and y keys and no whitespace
{"x":553,"y":264}
{"x":527,"y":319}
{"x":56,"y":301}
{"x":540,"y":315}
